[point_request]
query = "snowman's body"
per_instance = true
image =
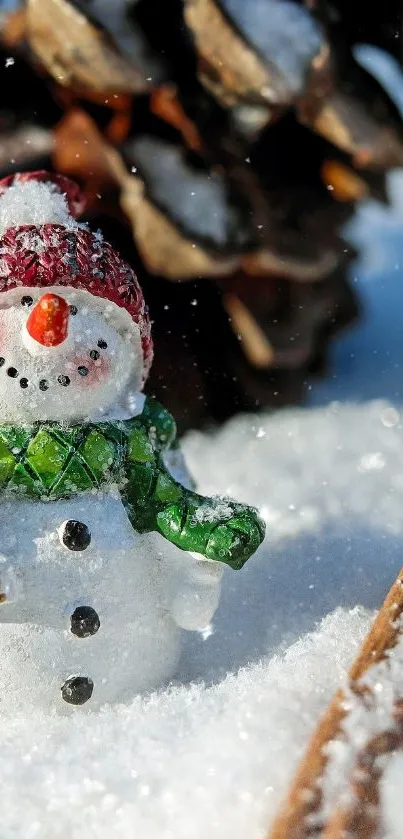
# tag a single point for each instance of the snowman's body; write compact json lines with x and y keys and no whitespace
{"x":127,"y":578}
{"x":141,"y":591}
{"x":82,"y":451}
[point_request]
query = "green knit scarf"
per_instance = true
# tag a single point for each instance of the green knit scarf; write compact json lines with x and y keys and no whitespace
{"x":52,"y":461}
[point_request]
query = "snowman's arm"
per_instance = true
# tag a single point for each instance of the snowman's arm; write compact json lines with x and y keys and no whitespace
{"x":218,"y":529}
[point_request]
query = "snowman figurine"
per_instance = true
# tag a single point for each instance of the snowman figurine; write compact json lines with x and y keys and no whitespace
{"x":105,"y":556}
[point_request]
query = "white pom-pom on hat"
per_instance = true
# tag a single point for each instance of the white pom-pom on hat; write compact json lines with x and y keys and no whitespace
{"x":39,"y":198}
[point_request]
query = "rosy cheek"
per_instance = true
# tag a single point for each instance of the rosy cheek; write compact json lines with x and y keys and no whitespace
{"x":97,"y":371}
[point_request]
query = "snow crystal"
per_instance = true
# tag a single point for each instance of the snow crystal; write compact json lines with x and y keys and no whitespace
{"x":218,"y":512}
{"x":34,"y":202}
{"x":391,"y":797}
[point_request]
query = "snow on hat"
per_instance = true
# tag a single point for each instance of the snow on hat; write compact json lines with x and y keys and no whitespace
{"x":42,"y":245}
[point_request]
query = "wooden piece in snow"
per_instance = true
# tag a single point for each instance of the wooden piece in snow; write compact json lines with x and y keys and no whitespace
{"x":294,"y":820}
{"x":360,"y":817}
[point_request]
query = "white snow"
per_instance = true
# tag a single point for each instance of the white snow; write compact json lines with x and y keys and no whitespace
{"x":34,"y":202}
{"x":210,"y":512}
{"x":391,"y":792}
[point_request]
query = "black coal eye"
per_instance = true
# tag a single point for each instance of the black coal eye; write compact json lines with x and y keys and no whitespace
{"x":102,"y":344}
{"x":73,"y":310}
{"x":43,"y":384}
{"x":2,"y":360}
{"x":75,"y":535}
{"x":23,"y":383}
{"x":26,"y":301}
{"x":12,"y":372}
{"x":94,"y":354}
{"x":63,"y":380}
{"x":82,"y":371}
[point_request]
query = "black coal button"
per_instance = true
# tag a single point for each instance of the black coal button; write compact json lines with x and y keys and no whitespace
{"x":77,"y":690}
{"x":84,"y":622}
{"x":75,"y":535}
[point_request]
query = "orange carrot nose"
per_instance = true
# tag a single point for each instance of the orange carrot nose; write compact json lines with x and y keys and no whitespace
{"x":48,"y":321}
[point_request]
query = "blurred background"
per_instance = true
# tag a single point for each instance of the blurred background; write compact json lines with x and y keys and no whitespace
{"x":244,"y":156}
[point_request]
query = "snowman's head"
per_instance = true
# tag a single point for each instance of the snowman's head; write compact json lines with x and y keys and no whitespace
{"x":65,"y":355}
{"x":75,"y":339}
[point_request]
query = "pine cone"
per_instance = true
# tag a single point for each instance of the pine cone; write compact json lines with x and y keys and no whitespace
{"x":232,"y":139}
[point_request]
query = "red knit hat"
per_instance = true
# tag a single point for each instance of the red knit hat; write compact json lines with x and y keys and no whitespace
{"x":53,"y":254}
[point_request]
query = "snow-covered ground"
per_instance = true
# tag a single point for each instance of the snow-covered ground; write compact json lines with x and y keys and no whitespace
{"x":213,"y":758}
